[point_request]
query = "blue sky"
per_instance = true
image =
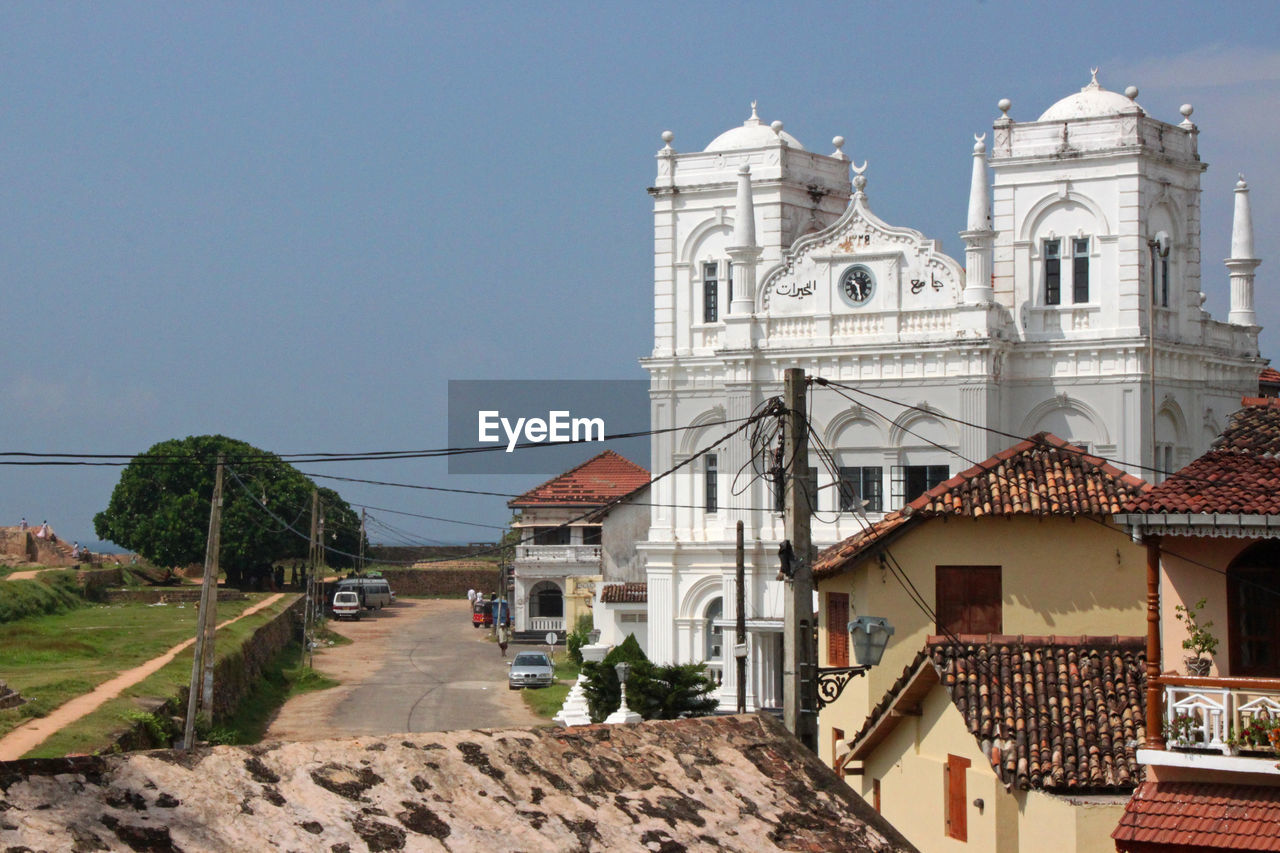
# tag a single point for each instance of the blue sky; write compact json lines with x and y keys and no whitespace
{"x":293,"y":223}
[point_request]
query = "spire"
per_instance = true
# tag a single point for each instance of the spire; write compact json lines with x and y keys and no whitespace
{"x":1242,"y":263}
{"x":744,"y":254}
{"x":1242,"y":224}
{"x":744,"y":214}
{"x":979,"y":193}
{"x":978,"y":236}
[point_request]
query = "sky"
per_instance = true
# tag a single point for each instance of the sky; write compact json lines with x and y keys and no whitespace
{"x":294,"y":223}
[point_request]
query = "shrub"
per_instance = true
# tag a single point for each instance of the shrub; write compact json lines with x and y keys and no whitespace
{"x":52,"y":592}
{"x":579,"y":636}
{"x":655,"y":692}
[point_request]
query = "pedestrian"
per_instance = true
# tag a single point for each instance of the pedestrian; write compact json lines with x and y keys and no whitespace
{"x":43,"y":532}
{"x":75,"y":550}
{"x":22,"y":525}
{"x":279,"y":577}
{"x":504,"y":637}
{"x":471,"y":597}
{"x":293,"y":577}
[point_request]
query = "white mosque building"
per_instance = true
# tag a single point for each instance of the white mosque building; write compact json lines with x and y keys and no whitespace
{"x":1077,"y":309}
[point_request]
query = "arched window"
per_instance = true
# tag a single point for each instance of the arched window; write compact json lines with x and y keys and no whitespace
{"x":545,"y":599}
{"x":1253,"y":608}
{"x":714,"y":633}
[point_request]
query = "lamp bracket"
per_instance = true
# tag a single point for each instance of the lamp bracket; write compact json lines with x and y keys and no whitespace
{"x":832,"y":681}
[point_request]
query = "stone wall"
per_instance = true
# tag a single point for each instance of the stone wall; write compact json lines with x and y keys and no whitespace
{"x":431,"y":582}
{"x":18,"y":544}
{"x":91,"y":581}
{"x":233,"y":675}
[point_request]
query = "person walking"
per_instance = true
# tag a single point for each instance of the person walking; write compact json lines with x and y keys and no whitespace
{"x":504,"y":638}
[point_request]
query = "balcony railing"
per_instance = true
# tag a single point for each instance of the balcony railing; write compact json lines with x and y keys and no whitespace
{"x":558,"y":553}
{"x":1224,"y":714}
{"x":546,"y":623}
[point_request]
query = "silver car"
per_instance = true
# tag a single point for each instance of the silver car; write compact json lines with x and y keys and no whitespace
{"x":531,"y":669}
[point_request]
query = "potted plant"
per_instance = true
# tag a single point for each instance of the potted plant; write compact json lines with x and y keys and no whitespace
{"x":1200,"y":640}
{"x":1180,"y":731}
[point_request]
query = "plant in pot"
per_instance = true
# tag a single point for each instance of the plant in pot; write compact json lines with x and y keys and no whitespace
{"x":1181,"y":730}
{"x":1200,"y":640}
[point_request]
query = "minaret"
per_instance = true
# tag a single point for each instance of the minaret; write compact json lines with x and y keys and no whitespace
{"x":978,"y":236}
{"x":743,"y":251}
{"x":1242,"y":263}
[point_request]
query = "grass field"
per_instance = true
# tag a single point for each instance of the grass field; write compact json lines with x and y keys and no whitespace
{"x":51,"y":659}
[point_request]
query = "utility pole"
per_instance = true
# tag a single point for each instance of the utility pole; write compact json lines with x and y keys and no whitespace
{"x":363,"y":513}
{"x":800,"y":674}
{"x":314,"y":589}
{"x":200,"y":694}
{"x":740,"y":636}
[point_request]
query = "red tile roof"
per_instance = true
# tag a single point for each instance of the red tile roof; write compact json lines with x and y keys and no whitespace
{"x":1042,"y":475}
{"x":625,"y":593}
{"x":595,"y":482}
{"x":1053,"y":713}
{"x":1269,"y":380}
{"x":1201,"y":816}
{"x":1239,"y":475}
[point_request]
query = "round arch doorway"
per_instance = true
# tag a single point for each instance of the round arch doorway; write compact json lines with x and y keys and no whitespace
{"x":546,"y":607}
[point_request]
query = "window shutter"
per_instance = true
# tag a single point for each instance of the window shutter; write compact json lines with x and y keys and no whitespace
{"x":837,"y":629}
{"x":956,"y":797}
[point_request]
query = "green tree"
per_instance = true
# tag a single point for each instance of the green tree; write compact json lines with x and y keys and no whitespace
{"x":160,"y":507}
{"x":655,"y":692}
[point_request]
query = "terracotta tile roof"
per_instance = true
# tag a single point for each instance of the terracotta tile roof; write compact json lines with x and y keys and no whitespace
{"x":1201,"y":816}
{"x":1239,"y":475}
{"x":1042,"y":475}
{"x":1061,"y":714}
{"x":625,"y":593}
{"x":1269,"y":380}
{"x":738,"y":783}
{"x":597,"y":481}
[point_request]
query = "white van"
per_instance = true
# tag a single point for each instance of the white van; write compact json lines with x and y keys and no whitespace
{"x":346,"y":605}
{"x":374,"y":593}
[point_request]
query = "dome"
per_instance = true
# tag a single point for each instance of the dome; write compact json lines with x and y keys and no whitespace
{"x":1092,"y":101}
{"x":753,"y":134}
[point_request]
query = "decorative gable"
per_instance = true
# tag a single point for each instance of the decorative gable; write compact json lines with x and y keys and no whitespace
{"x":903,"y":270}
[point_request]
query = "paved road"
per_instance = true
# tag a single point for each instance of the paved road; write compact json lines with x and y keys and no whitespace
{"x":418,"y":666}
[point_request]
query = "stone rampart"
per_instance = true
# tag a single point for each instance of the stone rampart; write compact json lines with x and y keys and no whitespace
{"x":438,"y":582}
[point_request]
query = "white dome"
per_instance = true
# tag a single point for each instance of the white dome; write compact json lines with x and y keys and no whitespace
{"x":753,"y":134}
{"x":1090,"y":102}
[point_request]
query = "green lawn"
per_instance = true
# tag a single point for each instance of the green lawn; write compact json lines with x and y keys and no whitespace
{"x":51,"y":659}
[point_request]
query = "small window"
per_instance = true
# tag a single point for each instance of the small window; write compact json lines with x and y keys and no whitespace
{"x":837,"y":629}
{"x":1052,"y":272}
{"x":859,"y":484}
{"x":1080,"y":270}
{"x":711,"y":484}
{"x":956,"y":797}
{"x":968,"y":600}
{"x":710,"y":293}
{"x":728,"y":273}
{"x":1164,"y":281}
{"x":911,"y":481}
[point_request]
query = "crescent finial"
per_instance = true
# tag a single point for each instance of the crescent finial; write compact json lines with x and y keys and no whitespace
{"x":979,"y":137}
{"x":858,"y":170}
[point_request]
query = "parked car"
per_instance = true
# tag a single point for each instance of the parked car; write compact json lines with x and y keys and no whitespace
{"x":373,"y":592}
{"x":531,"y":669}
{"x":346,"y":604}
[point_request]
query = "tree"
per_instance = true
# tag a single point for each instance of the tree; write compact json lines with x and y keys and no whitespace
{"x":654,"y":691}
{"x":160,"y":507}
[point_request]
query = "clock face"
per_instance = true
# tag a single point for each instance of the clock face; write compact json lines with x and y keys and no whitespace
{"x":857,"y":285}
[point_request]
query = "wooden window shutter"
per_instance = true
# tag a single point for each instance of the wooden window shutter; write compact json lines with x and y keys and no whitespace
{"x":837,"y":629}
{"x":956,"y":797}
{"x":968,"y":600}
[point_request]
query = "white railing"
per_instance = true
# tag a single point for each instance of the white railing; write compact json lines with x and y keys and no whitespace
{"x":558,"y":553}
{"x":546,"y":623}
{"x":1224,"y":717}
{"x":920,"y":322}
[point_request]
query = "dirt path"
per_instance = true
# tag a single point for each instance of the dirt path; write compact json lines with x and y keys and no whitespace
{"x":418,"y":666}
{"x":28,"y":574}
{"x":29,"y":735}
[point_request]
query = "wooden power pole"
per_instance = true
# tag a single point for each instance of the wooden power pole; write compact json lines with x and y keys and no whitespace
{"x":315,"y":591}
{"x":200,"y":694}
{"x":740,"y":621}
{"x":800,"y":672}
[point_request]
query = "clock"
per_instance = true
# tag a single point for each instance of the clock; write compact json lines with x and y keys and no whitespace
{"x":856,"y":285}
